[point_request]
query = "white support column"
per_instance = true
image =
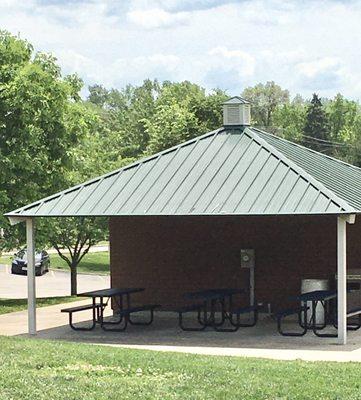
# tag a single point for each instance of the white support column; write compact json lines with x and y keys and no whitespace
{"x":341,"y":280}
{"x":341,"y":276}
{"x":30,"y":245}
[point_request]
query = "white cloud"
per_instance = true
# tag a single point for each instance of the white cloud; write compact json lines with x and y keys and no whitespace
{"x":122,"y":70}
{"x":238,"y":59}
{"x":323,"y":73}
{"x":167,"y":61}
{"x":312,"y":68}
{"x":305,"y":46}
{"x":156,"y":18}
{"x":137,"y":69}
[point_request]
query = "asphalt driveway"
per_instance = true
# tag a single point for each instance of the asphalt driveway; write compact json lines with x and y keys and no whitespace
{"x":54,"y":283}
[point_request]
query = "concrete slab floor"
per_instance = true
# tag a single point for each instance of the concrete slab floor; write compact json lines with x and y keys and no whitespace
{"x":164,"y":335}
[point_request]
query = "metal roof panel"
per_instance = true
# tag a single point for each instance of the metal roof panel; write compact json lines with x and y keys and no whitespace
{"x":228,"y":171}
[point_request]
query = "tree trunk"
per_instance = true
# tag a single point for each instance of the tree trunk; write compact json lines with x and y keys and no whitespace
{"x":73,"y":280}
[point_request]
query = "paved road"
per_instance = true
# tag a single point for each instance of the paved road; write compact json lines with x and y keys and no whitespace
{"x":54,"y":283}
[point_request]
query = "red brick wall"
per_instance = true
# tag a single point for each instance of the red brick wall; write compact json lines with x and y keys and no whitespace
{"x":172,"y":255}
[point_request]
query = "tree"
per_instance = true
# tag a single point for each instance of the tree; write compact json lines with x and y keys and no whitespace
{"x":98,"y":95}
{"x":289,"y":120}
{"x":43,"y":124}
{"x":265,"y":98}
{"x":36,"y":128}
{"x":182,"y":111}
{"x":316,"y":129}
{"x":124,"y":112}
{"x":72,"y":238}
{"x":172,"y":124}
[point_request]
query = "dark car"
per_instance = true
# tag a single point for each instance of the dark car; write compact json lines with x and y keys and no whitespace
{"x":19,"y":264}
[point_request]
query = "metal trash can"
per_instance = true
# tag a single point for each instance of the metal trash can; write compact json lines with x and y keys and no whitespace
{"x":309,"y":285}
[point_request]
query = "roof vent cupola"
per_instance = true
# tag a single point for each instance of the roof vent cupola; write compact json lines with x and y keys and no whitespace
{"x":236,"y":112}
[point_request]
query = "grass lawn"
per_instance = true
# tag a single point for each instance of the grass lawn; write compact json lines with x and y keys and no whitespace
{"x":35,"y":369}
{"x":11,"y":305}
{"x":92,"y":262}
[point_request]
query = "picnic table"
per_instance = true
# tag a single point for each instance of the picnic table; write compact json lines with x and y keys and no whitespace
{"x":208,"y":299}
{"x":316,"y":297}
{"x":124,"y":309}
{"x":307,"y":314}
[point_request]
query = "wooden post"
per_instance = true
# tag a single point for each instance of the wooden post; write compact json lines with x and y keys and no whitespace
{"x":30,"y":245}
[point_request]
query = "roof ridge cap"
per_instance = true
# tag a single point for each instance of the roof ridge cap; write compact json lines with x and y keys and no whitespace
{"x":311,"y":179}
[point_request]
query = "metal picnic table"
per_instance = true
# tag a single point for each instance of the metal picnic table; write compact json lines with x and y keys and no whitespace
{"x":308,"y":321}
{"x":317,"y":297}
{"x":209,"y":299}
{"x":118,"y":294}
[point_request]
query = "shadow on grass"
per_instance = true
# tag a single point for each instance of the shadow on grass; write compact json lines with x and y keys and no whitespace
{"x":12,"y":305}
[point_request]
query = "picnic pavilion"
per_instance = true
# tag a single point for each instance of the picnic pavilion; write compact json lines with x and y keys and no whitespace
{"x":179,"y":219}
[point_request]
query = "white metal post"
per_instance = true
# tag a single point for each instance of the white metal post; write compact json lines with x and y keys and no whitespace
{"x":30,"y":245}
{"x":341,"y":281}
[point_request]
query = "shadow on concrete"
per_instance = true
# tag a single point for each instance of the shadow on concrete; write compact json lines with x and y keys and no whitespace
{"x":165,"y":332}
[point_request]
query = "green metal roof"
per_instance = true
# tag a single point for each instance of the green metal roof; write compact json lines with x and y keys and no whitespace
{"x":241,"y":171}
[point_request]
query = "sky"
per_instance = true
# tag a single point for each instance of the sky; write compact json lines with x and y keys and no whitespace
{"x":305,"y":46}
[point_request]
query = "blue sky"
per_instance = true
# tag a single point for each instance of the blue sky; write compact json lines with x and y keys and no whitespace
{"x":305,"y":46}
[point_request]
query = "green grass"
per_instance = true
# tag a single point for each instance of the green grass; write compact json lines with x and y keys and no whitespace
{"x":5,"y":260}
{"x":37,"y":369}
{"x":11,"y":305}
{"x":97,"y":262}
{"x":92,"y":262}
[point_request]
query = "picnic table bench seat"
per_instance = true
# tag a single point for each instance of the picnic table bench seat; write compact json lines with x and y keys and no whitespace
{"x":96,"y":313}
{"x":80,"y":308}
{"x":354,"y":312}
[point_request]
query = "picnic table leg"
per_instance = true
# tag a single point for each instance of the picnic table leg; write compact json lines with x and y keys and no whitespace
{"x":116,"y":322}
{"x":304,"y":324}
{"x":222,"y":302}
{"x":230,"y":304}
{"x":127,"y":317}
{"x":144,"y":323}
{"x":101,"y":311}
{"x":205,"y":315}
{"x":316,"y":329}
{"x":234,"y":326}
{"x":95,"y":311}
{"x":314,"y":315}
{"x":212,"y":312}
{"x":123,"y":328}
{"x":180,"y":323}
{"x":76,"y":328}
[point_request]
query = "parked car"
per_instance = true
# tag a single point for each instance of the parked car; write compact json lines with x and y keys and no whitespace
{"x":19,"y":264}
